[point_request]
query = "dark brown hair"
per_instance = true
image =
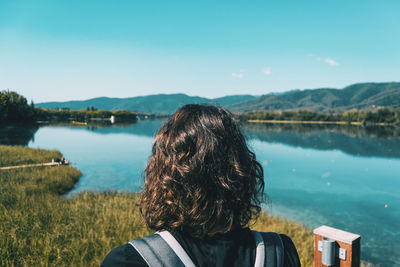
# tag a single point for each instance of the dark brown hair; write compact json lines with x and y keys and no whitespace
{"x":201,"y":177}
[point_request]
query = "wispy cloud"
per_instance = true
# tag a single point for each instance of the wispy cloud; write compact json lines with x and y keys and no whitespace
{"x":331,"y":62}
{"x":266,"y":71}
{"x":239,"y":75}
{"x":327,"y":60}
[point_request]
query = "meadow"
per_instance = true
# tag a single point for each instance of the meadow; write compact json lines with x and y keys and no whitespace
{"x":40,"y":227}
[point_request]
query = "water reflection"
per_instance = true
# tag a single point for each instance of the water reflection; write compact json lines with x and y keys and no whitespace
{"x":353,"y":140}
{"x":385,"y":132}
{"x":146,"y":128}
{"x":17,"y":134}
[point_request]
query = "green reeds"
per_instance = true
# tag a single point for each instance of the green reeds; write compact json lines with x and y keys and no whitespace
{"x":18,"y":155}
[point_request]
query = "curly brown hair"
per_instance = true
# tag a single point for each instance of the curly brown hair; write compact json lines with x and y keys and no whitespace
{"x":201,"y":177}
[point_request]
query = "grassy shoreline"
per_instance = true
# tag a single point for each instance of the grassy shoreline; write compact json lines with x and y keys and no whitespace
{"x":319,"y":122}
{"x":39,"y":227}
{"x":374,"y":117}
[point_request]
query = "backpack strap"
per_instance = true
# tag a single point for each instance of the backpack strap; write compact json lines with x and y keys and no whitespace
{"x":274,"y":249}
{"x":162,"y":249}
{"x":260,"y":249}
{"x":178,"y":249}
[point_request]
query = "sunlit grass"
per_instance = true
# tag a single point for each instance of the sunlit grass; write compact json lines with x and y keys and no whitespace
{"x":38,"y":227}
{"x":18,"y":155}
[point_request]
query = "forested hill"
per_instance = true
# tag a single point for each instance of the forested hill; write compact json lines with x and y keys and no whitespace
{"x":359,"y":96}
{"x":161,"y":103}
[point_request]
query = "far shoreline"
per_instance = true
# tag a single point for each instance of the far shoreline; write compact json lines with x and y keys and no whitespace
{"x":320,"y":122}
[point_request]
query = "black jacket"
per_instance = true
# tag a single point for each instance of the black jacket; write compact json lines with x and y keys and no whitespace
{"x":236,"y":248}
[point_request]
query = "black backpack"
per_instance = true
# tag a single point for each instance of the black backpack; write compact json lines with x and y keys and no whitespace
{"x":162,"y":249}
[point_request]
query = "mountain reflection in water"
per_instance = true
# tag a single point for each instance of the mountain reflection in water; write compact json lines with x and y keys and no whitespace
{"x":354,"y":140}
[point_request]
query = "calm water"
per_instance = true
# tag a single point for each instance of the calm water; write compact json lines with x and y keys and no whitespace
{"x":339,"y":176}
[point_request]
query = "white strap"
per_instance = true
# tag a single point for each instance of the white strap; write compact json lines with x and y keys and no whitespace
{"x":139,"y":251}
{"x":177,"y":248}
{"x":260,"y":249}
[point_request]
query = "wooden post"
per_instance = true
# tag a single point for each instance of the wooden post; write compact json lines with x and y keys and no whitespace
{"x":344,"y":241}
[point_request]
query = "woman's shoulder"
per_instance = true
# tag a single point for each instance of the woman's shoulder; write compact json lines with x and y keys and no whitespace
{"x":291,"y":257}
{"x":124,"y":255}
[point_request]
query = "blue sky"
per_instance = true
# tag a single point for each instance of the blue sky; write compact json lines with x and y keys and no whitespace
{"x":64,"y":50}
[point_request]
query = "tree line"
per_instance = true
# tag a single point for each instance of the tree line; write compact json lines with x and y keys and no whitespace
{"x":15,"y":108}
{"x":380,"y":115}
{"x":83,"y":115}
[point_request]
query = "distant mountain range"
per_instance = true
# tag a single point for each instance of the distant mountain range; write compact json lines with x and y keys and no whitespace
{"x":360,"y":96}
{"x":161,"y":103}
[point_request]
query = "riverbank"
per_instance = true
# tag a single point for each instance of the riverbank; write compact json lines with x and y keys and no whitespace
{"x":374,"y":117}
{"x":309,"y":122}
{"x":356,"y":123}
{"x":40,"y":227}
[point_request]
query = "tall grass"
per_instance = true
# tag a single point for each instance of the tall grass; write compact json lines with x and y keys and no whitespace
{"x":18,"y":155}
{"x":38,"y":227}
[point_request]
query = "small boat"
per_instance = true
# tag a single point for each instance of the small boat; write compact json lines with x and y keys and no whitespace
{"x":79,"y":123}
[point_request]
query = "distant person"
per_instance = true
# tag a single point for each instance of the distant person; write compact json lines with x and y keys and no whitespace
{"x":202,"y":187}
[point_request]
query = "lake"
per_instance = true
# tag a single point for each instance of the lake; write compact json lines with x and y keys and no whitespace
{"x":347,"y":177}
